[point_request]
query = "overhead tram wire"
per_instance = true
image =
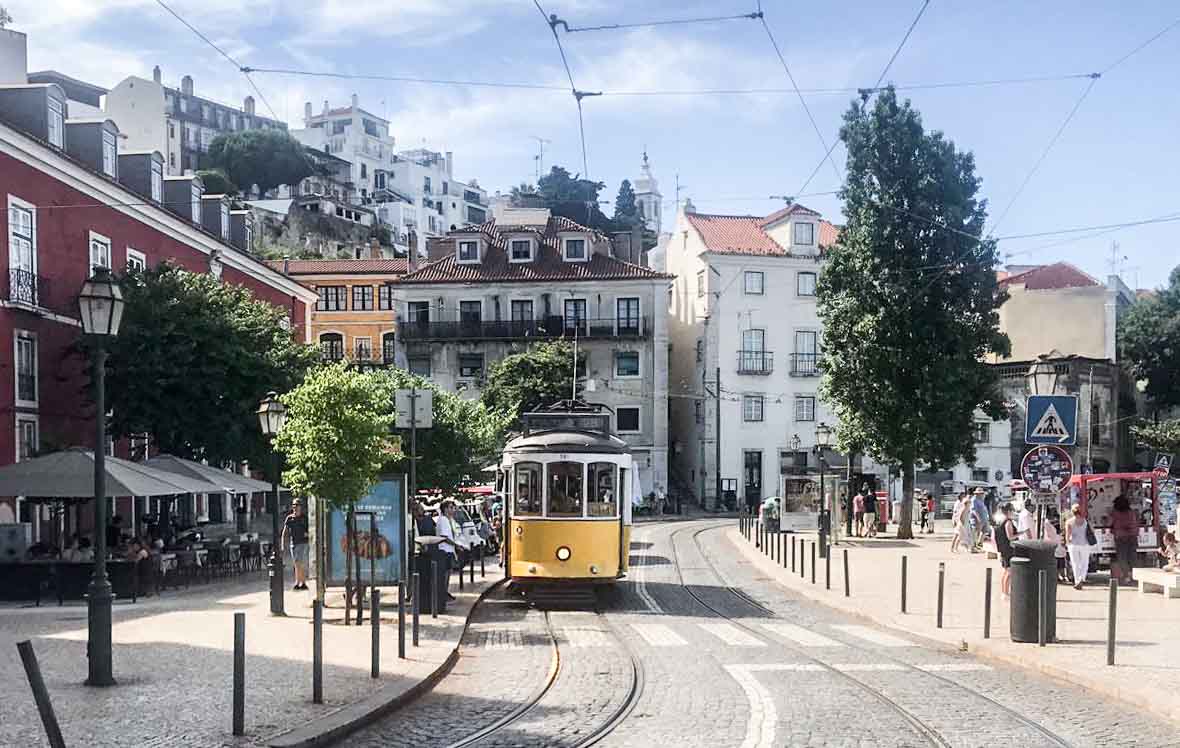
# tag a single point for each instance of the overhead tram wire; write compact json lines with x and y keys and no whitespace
{"x":242,"y":69}
{"x":553,"y":21}
{"x":409,"y":79}
{"x":868,"y":92}
{"x":669,"y":22}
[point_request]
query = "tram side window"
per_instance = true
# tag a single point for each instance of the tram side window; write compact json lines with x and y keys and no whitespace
{"x":528,"y":489}
{"x":603,"y":492}
{"x":565,"y":489}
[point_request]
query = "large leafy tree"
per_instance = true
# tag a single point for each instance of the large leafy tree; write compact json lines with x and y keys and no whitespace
{"x":626,"y":209}
{"x":216,"y":182}
{"x":1149,"y":344}
{"x":566,"y":194}
{"x":530,"y":379}
{"x":465,"y":434}
{"x":193,"y":358}
{"x":909,"y":297}
{"x":266,"y":158}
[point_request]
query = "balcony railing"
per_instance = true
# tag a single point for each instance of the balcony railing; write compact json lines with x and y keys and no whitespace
{"x":805,"y":364}
{"x":550,"y":327}
{"x":755,"y":362}
{"x":37,"y":292}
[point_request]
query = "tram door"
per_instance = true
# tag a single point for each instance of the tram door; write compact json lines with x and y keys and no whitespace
{"x":752,"y":469}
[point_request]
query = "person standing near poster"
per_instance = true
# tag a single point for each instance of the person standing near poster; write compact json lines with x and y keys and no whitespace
{"x":295,"y":527}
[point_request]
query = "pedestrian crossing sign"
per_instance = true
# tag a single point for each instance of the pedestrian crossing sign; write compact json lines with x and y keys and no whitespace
{"x":1052,"y":419}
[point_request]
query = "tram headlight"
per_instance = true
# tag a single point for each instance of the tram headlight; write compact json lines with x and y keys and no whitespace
{"x":563,"y":553}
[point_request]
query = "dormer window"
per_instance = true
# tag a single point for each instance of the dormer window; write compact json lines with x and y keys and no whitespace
{"x":468,"y":251}
{"x":573,"y":249}
{"x":157,"y":181}
{"x":56,"y":124}
{"x":224,"y":221}
{"x":804,"y":234}
{"x":520,"y":250}
{"x":110,"y":154}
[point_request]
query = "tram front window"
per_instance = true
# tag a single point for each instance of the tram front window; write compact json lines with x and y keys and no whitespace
{"x":565,"y":489}
{"x":528,"y":490}
{"x":603,"y":492}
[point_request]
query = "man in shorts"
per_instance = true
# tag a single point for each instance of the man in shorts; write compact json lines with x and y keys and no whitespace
{"x":295,"y":528}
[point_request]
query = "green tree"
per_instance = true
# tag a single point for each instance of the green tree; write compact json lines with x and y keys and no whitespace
{"x":217,"y":183}
{"x":909,"y":297}
{"x":336,"y":439}
{"x":1149,"y":344}
{"x":464,"y":436}
{"x":265,"y":158}
{"x":530,"y":379}
{"x":193,"y":358}
{"x":626,"y":209}
{"x":1159,"y":437}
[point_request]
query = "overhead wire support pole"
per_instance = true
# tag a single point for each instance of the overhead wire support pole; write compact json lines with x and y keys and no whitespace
{"x":553,"y":22}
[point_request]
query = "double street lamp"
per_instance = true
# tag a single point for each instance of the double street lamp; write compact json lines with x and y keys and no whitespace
{"x":823,"y":441}
{"x":101,"y":305}
{"x":272,"y":414}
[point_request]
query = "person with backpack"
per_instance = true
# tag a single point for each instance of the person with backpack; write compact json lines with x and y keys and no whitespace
{"x":1006,"y":534}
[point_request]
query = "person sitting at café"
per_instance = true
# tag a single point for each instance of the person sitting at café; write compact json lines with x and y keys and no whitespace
{"x":136,"y":551}
{"x":38,"y":550}
{"x":1169,"y":550}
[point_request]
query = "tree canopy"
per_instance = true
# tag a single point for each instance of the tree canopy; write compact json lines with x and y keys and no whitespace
{"x":266,"y":158}
{"x":1149,"y":344}
{"x":909,"y":297}
{"x":192,"y":360}
{"x":626,"y":209}
{"x":566,"y":195}
{"x":216,"y":182}
{"x":530,"y":379}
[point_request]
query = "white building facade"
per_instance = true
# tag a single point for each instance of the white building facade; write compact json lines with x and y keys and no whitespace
{"x":503,"y":285}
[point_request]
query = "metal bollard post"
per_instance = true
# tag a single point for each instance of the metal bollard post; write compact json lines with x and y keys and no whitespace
{"x":483,"y":573}
{"x":375,"y":621}
{"x":417,"y":606}
{"x":28,"y":658}
{"x":792,"y":554}
{"x":472,"y":578}
{"x":1111,"y":618}
{"x":401,"y":620}
{"x":1042,"y":608}
{"x":802,"y":559}
{"x":941,"y":583}
{"x":239,"y":673}
{"x":460,"y":572}
{"x":813,"y":562}
{"x":828,"y":569}
{"x":987,"y":603}
{"x":317,"y":652}
{"x":785,"y":541}
{"x":847,"y":589}
{"x":434,"y":601}
{"x":904,"y":585}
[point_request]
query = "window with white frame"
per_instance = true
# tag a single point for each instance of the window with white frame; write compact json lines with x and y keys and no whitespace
{"x":362,"y":348}
{"x":332,"y":346}
{"x":755,"y":282}
{"x":22,"y":251}
{"x":468,"y":251}
{"x":701,"y":283}
{"x":388,"y":347}
{"x":110,"y":154}
{"x":627,"y":363}
{"x":157,"y":181}
{"x":627,"y":315}
{"x":574,"y":249}
{"x":419,"y":365}
{"x":362,"y":298}
{"x":57,"y":124}
{"x":520,"y":250}
{"x":471,"y":365}
{"x":982,"y":432}
{"x":752,"y":407}
{"x":385,"y":297}
{"x":196,"y":203}
{"x":100,"y":252}
{"x":804,"y":234}
{"x":332,"y":298}
{"x":804,"y":408}
{"x":805,"y":284}
{"x":26,"y":368}
{"x":136,"y":260}
{"x":27,"y":437}
{"x":626,"y":420}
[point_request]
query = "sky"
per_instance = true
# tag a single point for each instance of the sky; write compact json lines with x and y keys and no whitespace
{"x":1116,"y":161}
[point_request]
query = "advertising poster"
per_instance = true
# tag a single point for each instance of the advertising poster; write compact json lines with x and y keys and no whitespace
{"x":379,"y":551}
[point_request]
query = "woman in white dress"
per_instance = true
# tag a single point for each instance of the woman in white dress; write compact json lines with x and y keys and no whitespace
{"x":957,"y":523}
{"x":1078,"y":545}
{"x":965,"y":539}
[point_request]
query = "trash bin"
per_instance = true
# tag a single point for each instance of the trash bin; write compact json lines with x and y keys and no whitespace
{"x":1029,"y":557}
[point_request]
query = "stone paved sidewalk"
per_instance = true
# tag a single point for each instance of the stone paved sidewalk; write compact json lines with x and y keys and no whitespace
{"x":1148,"y":639}
{"x":174,"y":663}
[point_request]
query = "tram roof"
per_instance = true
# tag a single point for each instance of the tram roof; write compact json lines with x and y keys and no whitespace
{"x":568,"y":440}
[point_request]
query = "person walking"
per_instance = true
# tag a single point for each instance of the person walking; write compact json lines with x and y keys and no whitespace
{"x":1125,"y":528}
{"x":931,"y":512}
{"x":1051,"y":534}
{"x":858,"y":512}
{"x":923,"y":511}
{"x":870,"y":517}
{"x":1025,"y":524}
{"x":979,"y":516}
{"x":446,"y":528}
{"x":1005,"y":534}
{"x":295,"y":530}
{"x":1079,"y":539}
{"x":956,"y":520}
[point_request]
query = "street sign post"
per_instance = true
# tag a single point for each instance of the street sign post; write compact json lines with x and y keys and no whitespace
{"x":1046,"y":470}
{"x":1052,"y":419}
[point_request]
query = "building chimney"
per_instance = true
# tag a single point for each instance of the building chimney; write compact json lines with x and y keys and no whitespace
{"x":248,"y":105}
{"x":306,"y":111}
{"x":374,"y":249}
{"x":450,"y":163}
{"x":286,"y":265}
{"x":156,"y":73}
{"x":355,"y":101}
{"x":14,"y":58}
{"x":412,"y":251}
{"x":325,"y":106}
{"x":186,"y":85}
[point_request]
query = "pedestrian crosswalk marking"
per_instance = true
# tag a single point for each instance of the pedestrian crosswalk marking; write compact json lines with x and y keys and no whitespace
{"x":873,"y":636}
{"x":801,"y":636}
{"x":732,"y":635}
{"x":954,"y":667}
{"x":658,"y":635}
{"x":578,"y":638}
{"x":859,"y":667}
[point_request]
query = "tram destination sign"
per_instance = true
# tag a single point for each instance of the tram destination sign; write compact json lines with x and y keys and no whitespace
{"x":1046,"y":469}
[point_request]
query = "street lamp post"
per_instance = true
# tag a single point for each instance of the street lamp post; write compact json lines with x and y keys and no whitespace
{"x":823,"y":440}
{"x":101,"y":305}
{"x":272,"y":414}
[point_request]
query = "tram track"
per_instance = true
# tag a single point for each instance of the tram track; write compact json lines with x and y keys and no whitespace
{"x":930,"y":733}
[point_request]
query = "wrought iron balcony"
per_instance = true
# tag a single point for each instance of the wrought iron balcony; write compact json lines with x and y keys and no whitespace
{"x":805,"y":364}
{"x":550,"y":327}
{"x":755,"y":362}
{"x":25,"y":287}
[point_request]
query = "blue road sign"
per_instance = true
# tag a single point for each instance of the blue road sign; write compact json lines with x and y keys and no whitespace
{"x":1052,"y":419}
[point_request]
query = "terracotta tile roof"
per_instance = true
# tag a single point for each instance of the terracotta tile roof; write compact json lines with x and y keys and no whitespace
{"x":829,"y":234}
{"x":782,"y":213}
{"x":747,"y":234}
{"x":391,"y":265}
{"x":1057,"y":276}
{"x":547,"y":264}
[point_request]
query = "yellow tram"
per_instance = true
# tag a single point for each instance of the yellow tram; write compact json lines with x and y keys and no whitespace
{"x":567,"y":482}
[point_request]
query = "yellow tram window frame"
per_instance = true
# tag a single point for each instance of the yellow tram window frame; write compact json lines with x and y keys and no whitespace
{"x":603,"y":491}
{"x":565,"y":489}
{"x":531,"y":490}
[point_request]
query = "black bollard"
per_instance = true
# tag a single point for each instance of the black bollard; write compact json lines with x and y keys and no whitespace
{"x":792,"y":554}
{"x":847,"y":589}
{"x":1111,"y":618}
{"x":473,"y":567}
{"x":28,"y":658}
{"x":828,"y":570}
{"x":903,"y":582}
{"x":401,"y":620}
{"x":375,"y":640}
{"x":483,"y":574}
{"x":987,"y":603}
{"x":785,"y":541}
{"x":416,"y":583}
{"x":317,"y":652}
{"x":460,"y":573}
{"x":941,"y":582}
{"x":239,"y":674}
{"x":813,"y":562}
{"x":434,"y":601}
{"x":802,"y":560}
{"x":1042,"y":608}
